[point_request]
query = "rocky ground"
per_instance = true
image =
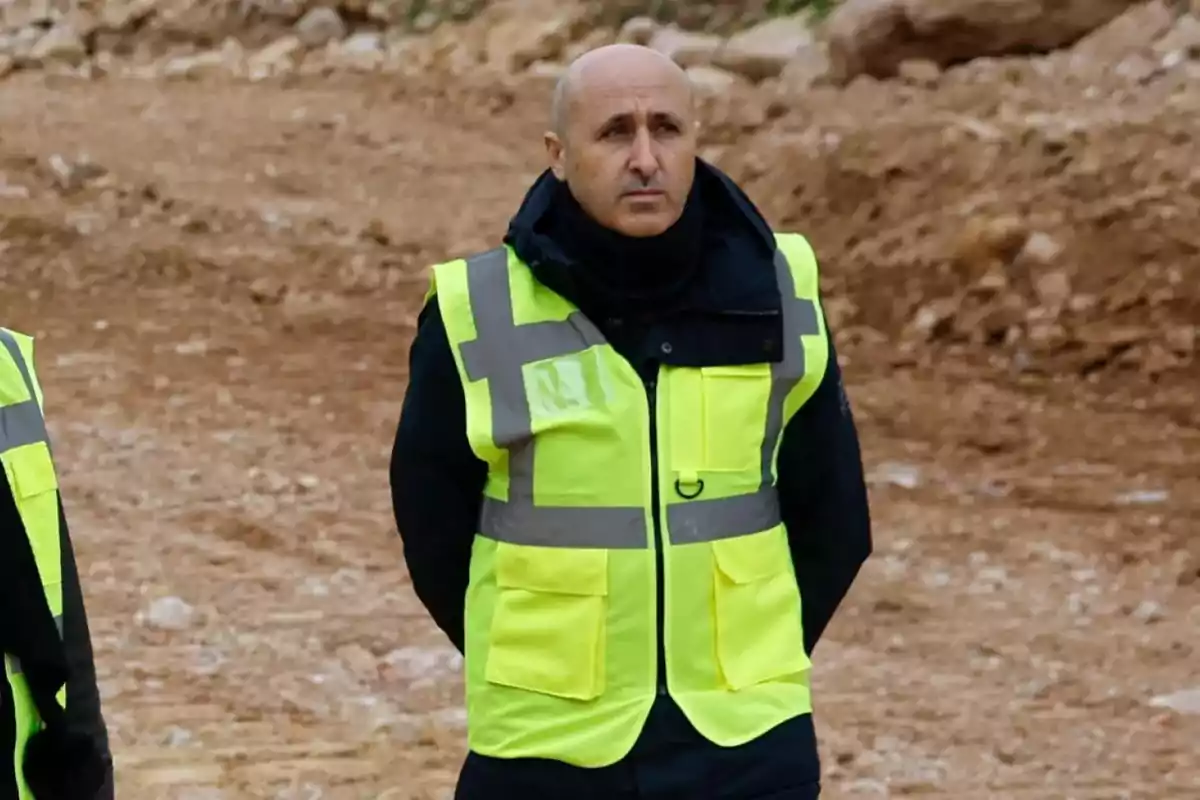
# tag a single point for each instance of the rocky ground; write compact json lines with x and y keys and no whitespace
{"x":217,"y":220}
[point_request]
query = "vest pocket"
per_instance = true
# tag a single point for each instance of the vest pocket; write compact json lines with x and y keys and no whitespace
{"x":760,"y":634}
{"x":34,"y":483}
{"x":735,"y":416}
{"x":548,"y":626}
{"x":31,"y":470}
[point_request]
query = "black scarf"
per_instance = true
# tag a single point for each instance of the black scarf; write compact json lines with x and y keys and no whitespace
{"x":618,"y":275}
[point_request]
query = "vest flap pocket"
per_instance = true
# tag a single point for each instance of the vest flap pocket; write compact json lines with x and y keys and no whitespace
{"x":746,"y":559}
{"x":557,"y":570}
{"x":760,"y":631}
{"x":31,"y":470}
{"x":736,"y":399}
{"x":548,"y":627}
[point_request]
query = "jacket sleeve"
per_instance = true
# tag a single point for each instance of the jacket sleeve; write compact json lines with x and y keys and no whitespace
{"x":72,"y":757}
{"x":436,"y":479}
{"x":823,"y":500}
{"x":83,"y":711}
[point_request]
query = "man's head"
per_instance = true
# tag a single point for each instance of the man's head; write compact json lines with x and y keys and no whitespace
{"x":624,"y":137}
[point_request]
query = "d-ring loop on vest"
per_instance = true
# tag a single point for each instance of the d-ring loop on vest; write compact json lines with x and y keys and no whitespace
{"x":699,"y":488}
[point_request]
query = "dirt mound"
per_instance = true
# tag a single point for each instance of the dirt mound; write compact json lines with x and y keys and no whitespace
{"x":1004,"y":208}
{"x":876,"y":36}
{"x":1037,"y":210}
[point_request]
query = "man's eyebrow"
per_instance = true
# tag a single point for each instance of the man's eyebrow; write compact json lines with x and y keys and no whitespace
{"x":625,"y":117}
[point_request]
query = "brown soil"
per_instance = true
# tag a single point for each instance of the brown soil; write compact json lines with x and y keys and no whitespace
{"x":224,"y":302}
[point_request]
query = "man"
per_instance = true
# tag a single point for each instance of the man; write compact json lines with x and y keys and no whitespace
{"x":617,"y":430}
{"x":50,"y":720}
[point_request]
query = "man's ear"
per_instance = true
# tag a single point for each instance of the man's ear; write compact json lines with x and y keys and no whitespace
{"x":555,"y":154}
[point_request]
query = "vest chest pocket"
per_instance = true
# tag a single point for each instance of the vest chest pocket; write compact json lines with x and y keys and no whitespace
{"x":31,"y":475}
{"x":548,"y":627}
{"x":736,"y":399}
{"x":760,"y":634}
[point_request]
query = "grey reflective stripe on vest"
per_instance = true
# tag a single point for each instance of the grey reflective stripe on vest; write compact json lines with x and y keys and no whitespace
{"x":705,"y":520}
{"x":498,"y":353}
{"x":22,"y":423}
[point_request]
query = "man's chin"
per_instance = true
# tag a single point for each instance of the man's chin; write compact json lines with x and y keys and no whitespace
{"x":641,"y":226}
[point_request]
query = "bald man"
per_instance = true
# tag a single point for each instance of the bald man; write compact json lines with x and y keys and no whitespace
{"x":626,"y":475}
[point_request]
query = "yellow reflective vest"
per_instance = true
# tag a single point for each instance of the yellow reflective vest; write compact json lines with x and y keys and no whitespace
{"x":577,"y":524}
{"x":25,"y":452}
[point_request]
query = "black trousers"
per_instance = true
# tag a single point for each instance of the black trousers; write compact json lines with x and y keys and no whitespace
{"x":670,"y":762}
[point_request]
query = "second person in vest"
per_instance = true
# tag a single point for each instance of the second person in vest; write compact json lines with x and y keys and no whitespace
{"x":626,"y":474}
{"x":53,"y":738}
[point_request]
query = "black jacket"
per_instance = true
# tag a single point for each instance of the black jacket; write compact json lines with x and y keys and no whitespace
{"x":731,"y":315}
{"x":70,"y":759}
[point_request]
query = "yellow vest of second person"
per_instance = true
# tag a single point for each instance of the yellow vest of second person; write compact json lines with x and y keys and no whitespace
{"x":561,"y":632}
{"x":25,"y":452}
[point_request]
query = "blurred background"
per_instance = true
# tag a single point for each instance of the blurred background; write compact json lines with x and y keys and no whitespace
{"x":218,"y":215}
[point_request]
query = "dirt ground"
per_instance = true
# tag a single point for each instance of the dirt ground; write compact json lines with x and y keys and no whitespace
{"x":224,"y":303}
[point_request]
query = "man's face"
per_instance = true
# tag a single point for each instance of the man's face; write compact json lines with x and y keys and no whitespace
{"x":627,"y":147}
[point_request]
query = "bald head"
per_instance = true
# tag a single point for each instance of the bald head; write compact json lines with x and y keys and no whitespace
{"x":615,"y":67}
{"x":623,"y":137}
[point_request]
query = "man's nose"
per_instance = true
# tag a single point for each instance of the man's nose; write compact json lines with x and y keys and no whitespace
{"x":642,"y":158}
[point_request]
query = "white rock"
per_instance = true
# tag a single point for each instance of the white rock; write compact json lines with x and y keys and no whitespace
{"x":1143,"y":498}
{"x":20,"y":43}
{"x":71,"y":175}
{"x":1183,"y":38}
{"x":937,"y":580}
{"x":1186,"y":701}
{"x":169,"y":614}
{"x":1041,"y":248}
{"x":907,"y":476}
{"x":867,"y":787}
{"x":546,"y":70}
{"x":319,"y":26}
{"x":711,"y":80}
{"x":192,"y":347}
{"x":175,"y":736}
{"x":362,"y":51}
{"x":638,"y":30}
{"x":764,"y":50}
{"x":685,"y":48}
{"x":209,"y":62}
{"x":417,"y":662}
{"x":1148,"y":611}
{"x":450,"y":717}
{"x":276,"y":58}
{"x":60,"y":44}
{"x":362,"y":43}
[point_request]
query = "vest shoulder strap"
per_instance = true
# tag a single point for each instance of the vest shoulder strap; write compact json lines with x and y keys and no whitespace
{"x":802,"y":261}
{"x":19,"y":349}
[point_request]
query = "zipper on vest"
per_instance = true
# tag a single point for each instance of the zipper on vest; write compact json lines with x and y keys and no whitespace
{"x":656,"y":504}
